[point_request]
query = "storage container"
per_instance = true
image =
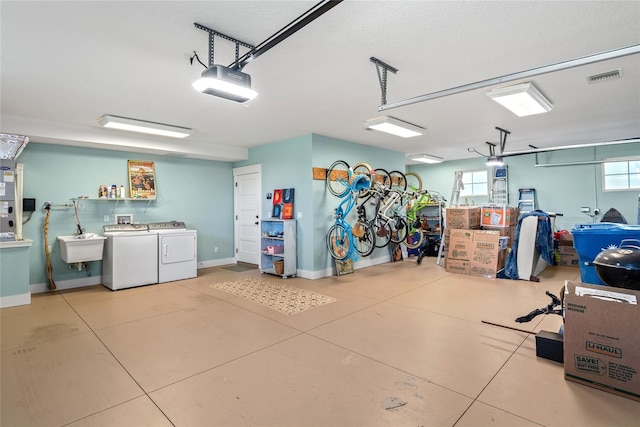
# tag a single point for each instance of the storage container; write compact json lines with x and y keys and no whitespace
{"x":278,"y":266}
{"x":275,"y":249}
{"x":591,"y":239}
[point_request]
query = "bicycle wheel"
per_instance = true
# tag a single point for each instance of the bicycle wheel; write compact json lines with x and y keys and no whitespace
{"x":380,"y":178}
{"x":338,"y":178}
{"x":382,"y":232}
{"x":339,"y":242}
{"x":414,"y":238}
{"x":397,"y":181}
{"x":398,"y":230}
{"x":364,"y":238}
{"x":414,"y":182}
{"x":363,"y":169}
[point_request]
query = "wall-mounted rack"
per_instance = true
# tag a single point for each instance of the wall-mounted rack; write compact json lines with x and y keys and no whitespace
{"x":117,"y":200}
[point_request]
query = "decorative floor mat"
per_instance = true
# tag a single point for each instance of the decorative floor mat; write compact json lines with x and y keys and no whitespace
{"x":283,"y":298}
{"x":239,"y":268}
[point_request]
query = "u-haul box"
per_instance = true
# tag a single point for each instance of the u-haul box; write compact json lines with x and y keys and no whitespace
{"x":602,"y":339}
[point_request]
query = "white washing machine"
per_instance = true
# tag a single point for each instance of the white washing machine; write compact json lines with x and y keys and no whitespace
{"x":177,"y":251}
{"x":130,"y":256}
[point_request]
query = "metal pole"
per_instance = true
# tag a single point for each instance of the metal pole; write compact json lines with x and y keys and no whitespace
{"x":590,"y":59}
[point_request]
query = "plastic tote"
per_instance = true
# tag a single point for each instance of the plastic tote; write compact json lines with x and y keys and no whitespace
{"x":593,"y":238}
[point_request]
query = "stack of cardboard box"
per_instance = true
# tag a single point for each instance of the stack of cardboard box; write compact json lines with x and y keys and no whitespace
{"x":463,"y":217}
{"x":568,"y":254}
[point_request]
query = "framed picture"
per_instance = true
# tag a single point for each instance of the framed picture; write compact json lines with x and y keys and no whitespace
{"x":142,"y":179}
{"x":124,"y":219}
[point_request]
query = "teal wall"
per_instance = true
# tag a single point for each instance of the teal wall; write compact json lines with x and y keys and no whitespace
{"x":197,"y":192}
{"x":327,"y":150}
{"x":14,"y":273}
{"x":290,"y":163}
{"x":200,"y":192}
{"x":562,"y":189}
{"x":287,"y":164}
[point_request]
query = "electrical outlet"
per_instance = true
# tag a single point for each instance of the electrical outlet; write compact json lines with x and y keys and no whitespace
{"x":106,"y":218}
{"x":299,"y":215}
{"x":49,"y":248}
{"x":215,"y":249}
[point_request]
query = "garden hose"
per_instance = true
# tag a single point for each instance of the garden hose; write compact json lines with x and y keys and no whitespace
{"x":52,"y":284}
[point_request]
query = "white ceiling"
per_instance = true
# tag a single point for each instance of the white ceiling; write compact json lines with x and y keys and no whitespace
{"x":64,"y":64}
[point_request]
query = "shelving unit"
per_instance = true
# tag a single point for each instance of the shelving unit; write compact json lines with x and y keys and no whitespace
{"x":117,"y":200}
{"x":433,"y":214}
{"x":279,"y":234}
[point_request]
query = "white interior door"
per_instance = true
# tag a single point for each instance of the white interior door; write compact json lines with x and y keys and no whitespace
{"x":247,"y":183}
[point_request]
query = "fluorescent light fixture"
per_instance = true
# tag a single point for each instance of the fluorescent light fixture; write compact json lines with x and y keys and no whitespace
{"x":226,"y":83}
{"x":134,"y":125}
{"x":426,"y":158}
{"x":12,"y":145}
{"x":495,"y":161}
{"x":522,"y":99}
{"x":394,"y":126}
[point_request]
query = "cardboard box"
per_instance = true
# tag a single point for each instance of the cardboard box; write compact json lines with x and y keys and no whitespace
{"x":601,"y":340}
{"x":458,"y":266}
{"x":501,"y":215}
{"x":460,"y":241}
{"x":509,"y":232}
{"x":565,"y":240}
{"x":568,"y":256}
{"x":485,"y":253}
{"x":463,"y":217}
{"x":474,"y":252}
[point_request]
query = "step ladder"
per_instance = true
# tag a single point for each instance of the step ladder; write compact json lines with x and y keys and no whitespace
{"x":527,"y":199}
{"x":454,"y":201}
{"x":499,"y":194}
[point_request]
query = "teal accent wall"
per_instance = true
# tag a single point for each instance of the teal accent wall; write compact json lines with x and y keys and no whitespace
{"x":290,"y":163}
{"x":564,"y":188}
{"x":198,"y":192}
{"x":14,"y":271}
{"x":327,"y":150}
{"x":287,"y":164}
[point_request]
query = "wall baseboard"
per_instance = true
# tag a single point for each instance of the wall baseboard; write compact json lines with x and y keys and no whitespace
{"x":14,"y":300}
{"x":61,"y":285}
{"x":39,"y":288}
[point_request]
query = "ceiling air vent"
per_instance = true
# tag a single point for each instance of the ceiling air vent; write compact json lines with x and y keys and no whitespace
{"x":598,"y":78}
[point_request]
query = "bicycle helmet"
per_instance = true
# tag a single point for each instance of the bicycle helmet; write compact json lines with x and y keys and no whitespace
{"x":360,"y":182}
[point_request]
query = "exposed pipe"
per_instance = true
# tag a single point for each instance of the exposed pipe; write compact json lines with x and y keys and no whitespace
{"x":577,"y":62}
{"x":568,"y":147}
{"x":546,"y":165}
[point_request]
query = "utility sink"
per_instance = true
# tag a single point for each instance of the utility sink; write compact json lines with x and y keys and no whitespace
{"x":81,"y":248}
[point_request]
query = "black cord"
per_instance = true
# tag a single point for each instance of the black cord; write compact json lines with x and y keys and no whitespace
{"x":195,"y":55}
{"x":475,"y":151}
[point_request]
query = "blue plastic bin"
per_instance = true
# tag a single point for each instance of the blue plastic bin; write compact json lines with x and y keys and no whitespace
{"x":591,"y":239}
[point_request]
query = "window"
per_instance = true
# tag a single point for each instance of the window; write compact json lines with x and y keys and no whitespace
{"x":621,"y":175}
{"x":475,"y":183}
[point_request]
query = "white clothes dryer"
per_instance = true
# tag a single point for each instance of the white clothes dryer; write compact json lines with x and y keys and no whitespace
{"x":177,"y":251}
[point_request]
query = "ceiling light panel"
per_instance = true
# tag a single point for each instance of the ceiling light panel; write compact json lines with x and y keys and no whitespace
{"x":426,"y":158}
{"x":522,"y":99}
{"x":143,"y":126}
{"x":394,"y":126}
